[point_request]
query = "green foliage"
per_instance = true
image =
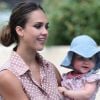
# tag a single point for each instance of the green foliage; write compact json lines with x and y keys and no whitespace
{"x":69,"y":18}
{"x":3,"y":6}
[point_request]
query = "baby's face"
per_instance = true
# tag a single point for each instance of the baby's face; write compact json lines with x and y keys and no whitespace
{"x":83,"y":65}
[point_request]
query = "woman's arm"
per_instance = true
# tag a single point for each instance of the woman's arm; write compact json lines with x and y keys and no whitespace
{"x":58,"y":76}
{"x":83,"y":94}
{"x":10,"y":87}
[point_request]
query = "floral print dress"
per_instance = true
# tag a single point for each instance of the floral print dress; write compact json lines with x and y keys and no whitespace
{"x":79,"y":81}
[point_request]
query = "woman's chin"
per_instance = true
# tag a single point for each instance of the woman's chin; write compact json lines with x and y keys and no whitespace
{"x":40,"y":49}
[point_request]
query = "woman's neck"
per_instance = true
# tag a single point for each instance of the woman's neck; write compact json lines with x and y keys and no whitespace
{"x":29,"y":56}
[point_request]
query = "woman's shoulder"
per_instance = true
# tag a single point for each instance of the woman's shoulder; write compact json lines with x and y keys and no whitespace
{"x":54,"y":69}
{"x":51,"y":68}
{"x":7,"y":81}
{"x":10,"y":86}
{"x":7,"y":78}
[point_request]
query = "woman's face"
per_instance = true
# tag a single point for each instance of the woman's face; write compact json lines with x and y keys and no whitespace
{"x":34,"y":34}
{"x":83,"y":65}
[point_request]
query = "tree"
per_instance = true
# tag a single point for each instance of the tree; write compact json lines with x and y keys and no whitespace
{"x":70,"y":18}
{"x":12,"y":3}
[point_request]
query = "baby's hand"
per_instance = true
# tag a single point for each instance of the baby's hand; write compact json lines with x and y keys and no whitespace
{"x":61,"y":89}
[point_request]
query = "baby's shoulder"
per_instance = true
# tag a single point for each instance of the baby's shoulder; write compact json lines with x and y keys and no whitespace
{"x":97,"y":72}
{"x":93,"y":76}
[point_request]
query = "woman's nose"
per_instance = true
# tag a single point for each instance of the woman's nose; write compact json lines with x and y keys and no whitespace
{"x":45,"y":31}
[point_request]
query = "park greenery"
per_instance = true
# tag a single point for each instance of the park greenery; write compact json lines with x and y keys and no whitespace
{"x":69,"y":18}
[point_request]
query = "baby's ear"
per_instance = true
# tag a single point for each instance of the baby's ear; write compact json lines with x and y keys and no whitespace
{"x":19,"y":31}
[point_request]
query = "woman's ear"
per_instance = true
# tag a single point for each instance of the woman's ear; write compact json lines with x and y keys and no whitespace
{"x":19,"y":31}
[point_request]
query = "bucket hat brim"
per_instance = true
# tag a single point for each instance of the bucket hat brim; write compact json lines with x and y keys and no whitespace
{"x":82,"y":45}
{"x":67,"y":60}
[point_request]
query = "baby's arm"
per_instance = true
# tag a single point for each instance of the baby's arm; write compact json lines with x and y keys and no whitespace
{"x":83,"y":94}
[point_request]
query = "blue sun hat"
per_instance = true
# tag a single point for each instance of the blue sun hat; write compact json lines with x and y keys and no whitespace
{"x":82,"y":45}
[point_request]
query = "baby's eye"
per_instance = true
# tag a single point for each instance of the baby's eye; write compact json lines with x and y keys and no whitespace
{"x":92,"y":58}
{"x":81,"y":58}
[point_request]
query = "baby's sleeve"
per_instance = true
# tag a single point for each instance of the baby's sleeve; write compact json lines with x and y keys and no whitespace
{"x":94,"y":77}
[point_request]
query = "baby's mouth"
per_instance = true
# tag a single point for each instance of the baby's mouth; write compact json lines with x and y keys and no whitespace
{"x":85,"y":67}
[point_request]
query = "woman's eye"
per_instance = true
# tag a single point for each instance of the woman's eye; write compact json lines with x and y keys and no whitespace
{"x":38,"y":26}
{"x":47,"y":26}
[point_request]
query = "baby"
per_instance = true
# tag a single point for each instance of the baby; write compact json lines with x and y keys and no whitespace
{"x":84,"y":59}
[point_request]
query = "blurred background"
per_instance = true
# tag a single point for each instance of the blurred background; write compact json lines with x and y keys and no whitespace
{"x":67,"y":18}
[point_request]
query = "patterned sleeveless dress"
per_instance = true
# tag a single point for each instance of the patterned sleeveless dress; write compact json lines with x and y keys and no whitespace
{"x":48,"y":89}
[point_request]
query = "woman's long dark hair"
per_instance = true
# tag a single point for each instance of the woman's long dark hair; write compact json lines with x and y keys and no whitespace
{"x":18,"y":17}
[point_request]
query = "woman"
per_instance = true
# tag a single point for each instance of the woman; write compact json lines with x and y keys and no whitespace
{"x":26,"y":75}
